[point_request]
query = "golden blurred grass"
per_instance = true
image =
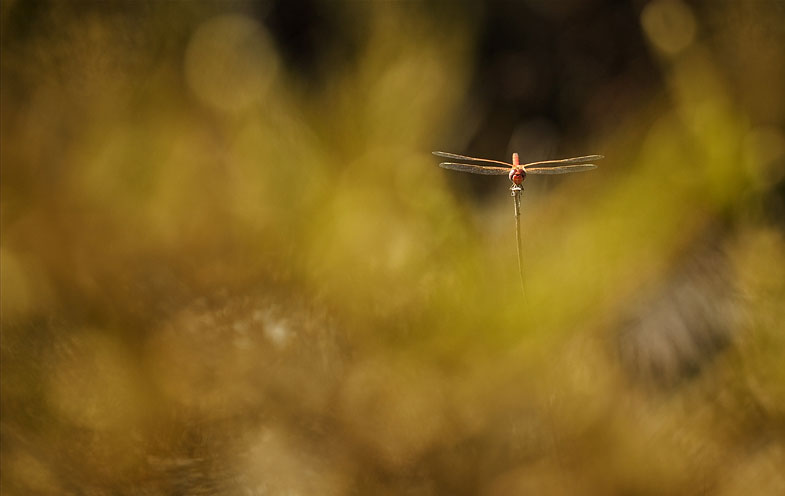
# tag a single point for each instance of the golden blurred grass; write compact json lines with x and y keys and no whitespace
{"x":216,"y":281}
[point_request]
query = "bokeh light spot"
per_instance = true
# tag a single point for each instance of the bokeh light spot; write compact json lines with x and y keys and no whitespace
{"x":669,"y":25}
{"x":229,"y":63}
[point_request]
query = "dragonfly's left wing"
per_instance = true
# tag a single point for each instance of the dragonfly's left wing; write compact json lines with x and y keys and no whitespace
{"x":564,"y":161}
{"x":564,"y":169}
{"x":487,"y":170}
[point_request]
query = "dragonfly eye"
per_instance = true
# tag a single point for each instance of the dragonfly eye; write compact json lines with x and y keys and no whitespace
{"x":517,"y":176}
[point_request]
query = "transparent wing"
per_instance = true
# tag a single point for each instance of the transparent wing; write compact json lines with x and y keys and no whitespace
{"x":559,"y":170}
{"x":487,"y":170}
{"x":471,"y":159}
{"x":565,"y":161}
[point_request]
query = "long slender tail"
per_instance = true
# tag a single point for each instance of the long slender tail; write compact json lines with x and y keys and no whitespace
{"x":516,"y":194}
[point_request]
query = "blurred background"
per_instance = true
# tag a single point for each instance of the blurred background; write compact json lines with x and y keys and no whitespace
{"x":230,"y":264}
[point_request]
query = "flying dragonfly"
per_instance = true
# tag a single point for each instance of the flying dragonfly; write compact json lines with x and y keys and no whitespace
{"x":517,"y":173}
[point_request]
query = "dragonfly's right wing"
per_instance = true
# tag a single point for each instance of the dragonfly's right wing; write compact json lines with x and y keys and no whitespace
{"x":487,"y":170}
{"x":470,"y":159}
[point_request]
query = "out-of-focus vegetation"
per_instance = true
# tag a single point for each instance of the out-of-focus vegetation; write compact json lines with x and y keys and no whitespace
{"x":231,"y":266}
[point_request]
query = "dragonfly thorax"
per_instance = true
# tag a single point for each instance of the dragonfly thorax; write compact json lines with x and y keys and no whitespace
{"x":517,"y":175}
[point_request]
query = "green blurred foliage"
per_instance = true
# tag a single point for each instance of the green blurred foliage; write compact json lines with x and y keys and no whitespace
{"x":216,"y":280}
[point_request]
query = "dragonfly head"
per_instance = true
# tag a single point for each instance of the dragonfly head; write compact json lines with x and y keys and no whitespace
{"x":517,"y":174}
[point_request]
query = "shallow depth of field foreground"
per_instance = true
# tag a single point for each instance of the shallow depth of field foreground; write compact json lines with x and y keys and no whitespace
{"x":231,"y":265}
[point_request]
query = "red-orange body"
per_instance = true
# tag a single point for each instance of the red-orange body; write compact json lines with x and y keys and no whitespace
{"x":517,"y":174}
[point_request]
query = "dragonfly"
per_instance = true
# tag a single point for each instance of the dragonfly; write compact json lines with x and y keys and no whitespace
{"x":517,"y":173}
